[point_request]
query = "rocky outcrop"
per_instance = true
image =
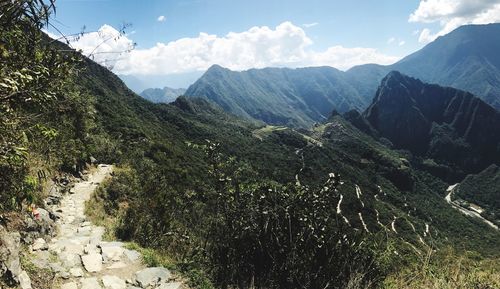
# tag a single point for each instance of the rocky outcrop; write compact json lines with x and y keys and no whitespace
{"x":10,"y":265}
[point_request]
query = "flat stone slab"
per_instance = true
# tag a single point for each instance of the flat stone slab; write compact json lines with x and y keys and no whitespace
{"x":92,"y":262}
{"x":152,"y":276}
{"x":90,"y":283}
{"x":113,"y":282}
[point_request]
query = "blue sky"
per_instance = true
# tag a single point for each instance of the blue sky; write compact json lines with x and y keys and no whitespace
{"x":264,"y":33}
{"x":365,"y":23}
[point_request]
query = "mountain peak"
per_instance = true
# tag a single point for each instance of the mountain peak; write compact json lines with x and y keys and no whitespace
{"x":434,"y":121}
{"x":396,"y":78}
{"x":217,"y":67}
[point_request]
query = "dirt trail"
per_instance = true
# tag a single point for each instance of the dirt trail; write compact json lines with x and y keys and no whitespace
{"x":80,"y":258}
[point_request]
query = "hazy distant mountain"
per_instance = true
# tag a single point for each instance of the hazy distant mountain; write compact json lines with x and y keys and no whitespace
{"x":296,"y":97}
{"x":139,"y":83}
{"x":440,"y":123}
{"x":162,"y":95}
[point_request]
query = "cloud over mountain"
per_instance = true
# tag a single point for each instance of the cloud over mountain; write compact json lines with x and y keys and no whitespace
{"x":285,"y":45}
{"x":453,"y":13}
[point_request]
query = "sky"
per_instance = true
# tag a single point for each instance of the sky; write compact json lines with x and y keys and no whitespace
{"x":178,"y":40}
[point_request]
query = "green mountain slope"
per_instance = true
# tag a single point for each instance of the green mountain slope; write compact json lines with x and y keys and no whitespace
{"x":295,"y":97}
{"x":483,"y":189}
{"x":231,"y":202}
{"x":382,"y":191}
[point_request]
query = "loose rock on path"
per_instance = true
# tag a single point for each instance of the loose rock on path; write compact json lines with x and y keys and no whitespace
{"x":80,"y":258}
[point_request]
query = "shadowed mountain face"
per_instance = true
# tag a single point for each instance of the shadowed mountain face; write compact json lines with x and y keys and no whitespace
{"x":162,"y":95}
{"x":436,"y":122}
{"x":295,"y":97}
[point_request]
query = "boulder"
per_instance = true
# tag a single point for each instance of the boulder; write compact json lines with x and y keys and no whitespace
{"x":92,"y":262}
{"x":111,"y":253}
{"x":152,"y":276}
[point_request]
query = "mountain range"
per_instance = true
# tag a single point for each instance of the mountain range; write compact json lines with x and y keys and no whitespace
{"x":162,"y":95}
{"x":466,"y":58}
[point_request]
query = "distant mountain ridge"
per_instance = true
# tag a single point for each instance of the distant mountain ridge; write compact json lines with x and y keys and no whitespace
{"x":295,"y":97}
{"x":441,"y":123}
{"x":466,"y":58}
{"x":162,"y":95}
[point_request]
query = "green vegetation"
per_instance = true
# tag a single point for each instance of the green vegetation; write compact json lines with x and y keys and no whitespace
{"x":162,"y":95}
{"x":42,"y":116}
{"x":251,"y":208}
{"x":280,"y":96}
{"x":448,"y":270}
{"x":483,"y":190}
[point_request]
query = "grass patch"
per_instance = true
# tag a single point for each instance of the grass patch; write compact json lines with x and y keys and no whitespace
{"x":447,"y":269}
{"x":262,"y":133}
{"x":194,"y":277}
{"x":96,"y":211}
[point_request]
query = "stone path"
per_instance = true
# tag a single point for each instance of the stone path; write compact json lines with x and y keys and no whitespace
{"x":82,"y":260}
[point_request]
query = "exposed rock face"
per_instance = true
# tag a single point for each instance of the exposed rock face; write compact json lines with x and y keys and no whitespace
{"x":441,"y":123}
{"x":10,"y":266}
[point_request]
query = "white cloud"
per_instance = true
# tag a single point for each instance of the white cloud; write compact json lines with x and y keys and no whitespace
{"x":286,"y":45}
{"x":344,"y":58}
{"x":106,"y":46}
{"x":391,"y":40}
{"x":416,"y":32}
{"x":401,"y":43}
{"x":426,"y":36}
{"x":308,"y":25}
{"x":453,"y":13}
{"x":161,"y":18}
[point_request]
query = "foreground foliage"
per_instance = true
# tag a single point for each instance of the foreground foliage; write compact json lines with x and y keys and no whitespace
{"x":248,"y":233}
